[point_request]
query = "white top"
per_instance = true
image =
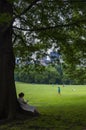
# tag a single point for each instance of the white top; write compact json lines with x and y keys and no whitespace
{"x":25,"y":106}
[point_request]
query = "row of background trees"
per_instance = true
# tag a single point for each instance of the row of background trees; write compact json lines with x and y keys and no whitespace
{"x":50,"y":74}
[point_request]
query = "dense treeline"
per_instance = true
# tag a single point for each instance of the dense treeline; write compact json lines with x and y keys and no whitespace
{"x":49,"y":75}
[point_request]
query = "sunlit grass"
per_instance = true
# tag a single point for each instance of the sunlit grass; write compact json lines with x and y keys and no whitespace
{"x":59,"y":112}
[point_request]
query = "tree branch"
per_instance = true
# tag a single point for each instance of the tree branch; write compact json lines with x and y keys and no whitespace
{"x":28,"y":8}
{"x":22,"y":13}
{"x":77,"y":23}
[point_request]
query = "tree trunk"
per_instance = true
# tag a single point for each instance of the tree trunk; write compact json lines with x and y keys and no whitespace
{"x":7,"y":62}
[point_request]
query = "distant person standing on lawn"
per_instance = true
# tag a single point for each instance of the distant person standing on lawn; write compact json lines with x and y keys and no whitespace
{"x":59,"y":91}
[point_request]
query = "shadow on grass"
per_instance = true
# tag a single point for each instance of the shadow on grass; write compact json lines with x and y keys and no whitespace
{"x":43,"y":122}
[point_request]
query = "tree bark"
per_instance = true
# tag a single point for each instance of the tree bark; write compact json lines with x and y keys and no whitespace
{"x":7,"y":63}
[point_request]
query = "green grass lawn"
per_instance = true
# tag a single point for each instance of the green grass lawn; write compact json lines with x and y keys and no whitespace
{"x":58,"y":112}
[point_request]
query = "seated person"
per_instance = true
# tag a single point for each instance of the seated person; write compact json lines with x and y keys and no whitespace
{"x":25,"y":106}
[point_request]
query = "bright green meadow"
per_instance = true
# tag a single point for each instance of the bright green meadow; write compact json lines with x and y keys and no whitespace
{"x":58,"y":112}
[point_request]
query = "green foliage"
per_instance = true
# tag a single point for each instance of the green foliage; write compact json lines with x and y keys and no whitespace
{"x":53,"y":23}
{"x":50,"y":74}
{"x":37,"y":74}
{"x":40,"y":25}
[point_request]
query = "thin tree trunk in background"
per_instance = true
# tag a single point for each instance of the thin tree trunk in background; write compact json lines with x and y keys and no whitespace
{"x":7,"y":64}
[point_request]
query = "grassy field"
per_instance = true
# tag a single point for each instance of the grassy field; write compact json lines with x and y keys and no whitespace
{"x":58,"y":112}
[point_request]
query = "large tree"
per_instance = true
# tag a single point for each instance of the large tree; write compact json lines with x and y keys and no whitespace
{"x":32,"y":26}
{"x":7,"y":62}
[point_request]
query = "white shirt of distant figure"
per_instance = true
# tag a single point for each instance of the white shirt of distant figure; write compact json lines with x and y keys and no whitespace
{"x":74,"y":89}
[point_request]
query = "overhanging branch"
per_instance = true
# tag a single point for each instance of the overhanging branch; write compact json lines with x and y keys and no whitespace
{"x":22,"y":13}
{"x":27,"y":9}
{"x":50,"y":27}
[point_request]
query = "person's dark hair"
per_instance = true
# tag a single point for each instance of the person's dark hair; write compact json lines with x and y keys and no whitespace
{"x":21,"y":94}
